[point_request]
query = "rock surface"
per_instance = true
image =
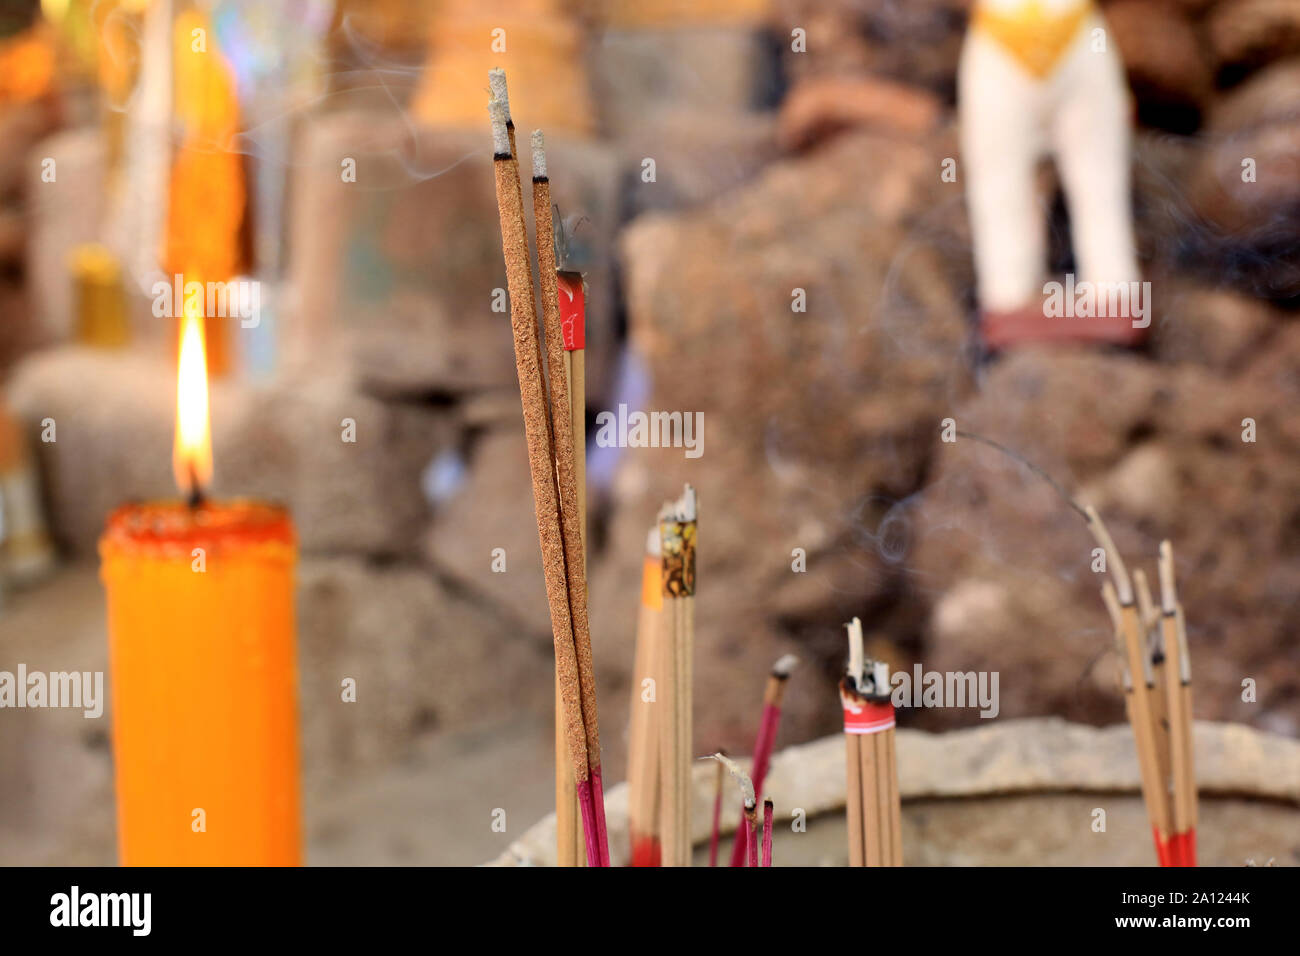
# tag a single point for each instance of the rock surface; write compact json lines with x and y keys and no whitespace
{"x":1159,"y":451}
{"x":815,"y":421}
{"x":114,"y":417}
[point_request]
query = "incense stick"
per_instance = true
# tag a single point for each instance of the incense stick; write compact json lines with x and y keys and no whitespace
{"x":1153,"y":787}
{"x":532,"y":390}
{"x":715,"y":828}
{"x":892,"y":817}
{"x":677,"y":529}
{"x":750,"y":804}
{"x":767,"y":832}
{"x":643,"y":726}
{"x":570,"y":845}
{"x":566,"y":473}
{"x":1157,"y":697}
{"x":1178,"y":693}
{"x":769,"y":721}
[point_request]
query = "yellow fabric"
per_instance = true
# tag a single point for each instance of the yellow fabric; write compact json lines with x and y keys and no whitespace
{"x":1035,"y":37}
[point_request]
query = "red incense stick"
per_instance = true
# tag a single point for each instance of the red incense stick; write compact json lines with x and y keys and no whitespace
{"x":749,"y":824}
{"x":767,"y":832}
{"x":766,"y":739}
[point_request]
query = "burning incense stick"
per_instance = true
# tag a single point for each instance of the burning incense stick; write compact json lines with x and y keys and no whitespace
{"x":768,"y":723}
{"x":643,"y":726}
{"x":567,"y":477}
{"x":874,"y":818}
{"x":532,"y":389}
{"x":750,"y":804}
{"x":1178,"y":694}
{"x":767,"y":832}
{"x":497,"y":88}
{"x":677,"y":530}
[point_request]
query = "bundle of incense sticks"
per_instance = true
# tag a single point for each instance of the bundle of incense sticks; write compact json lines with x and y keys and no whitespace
{"x":676,"y":638}
{"x":769,"y":721}
{"x":548,"y":427}
{"x":643,"y":798}
{"x":873,"y":805}
{"x":749,"y":805}
{"x":1156,"y":678}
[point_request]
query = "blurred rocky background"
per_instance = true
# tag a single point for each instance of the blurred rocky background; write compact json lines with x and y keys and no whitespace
{"x":709,"y":176}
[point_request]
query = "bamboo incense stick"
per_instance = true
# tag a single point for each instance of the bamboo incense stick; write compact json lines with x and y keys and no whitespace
{"x":1111,"y":600}
{"x":891,"y":822}
{"x":532,"y":390}
{"x":767,"y":832}
{"x":1153,"y":789}
{"x":677,"y":530}
{"x":1186,"y":781}
{"x":1178,"y":695}
{"x":643,"y":726}
{"x":854,"y":746}
{"x":1157,"y":698}
{"x":769,"y":721}
{"x":870,"y":800}
{"x":715,"y":828}
{"x":853,"y":799}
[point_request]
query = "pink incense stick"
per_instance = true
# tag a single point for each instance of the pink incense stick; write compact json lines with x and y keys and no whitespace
{"x":589,"y":827}
{"x":598,"y":805}
{"x":767,"y":832}
{"x":766,"y":740}
{"x":749,"y":824}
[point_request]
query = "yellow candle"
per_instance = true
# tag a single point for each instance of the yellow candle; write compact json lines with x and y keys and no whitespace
{"x":202,"y":670}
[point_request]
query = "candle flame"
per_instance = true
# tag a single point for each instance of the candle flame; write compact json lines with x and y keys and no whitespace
{"x":192,"y":450}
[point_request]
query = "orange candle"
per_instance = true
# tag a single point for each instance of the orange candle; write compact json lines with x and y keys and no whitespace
{"x":201,"y":657}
